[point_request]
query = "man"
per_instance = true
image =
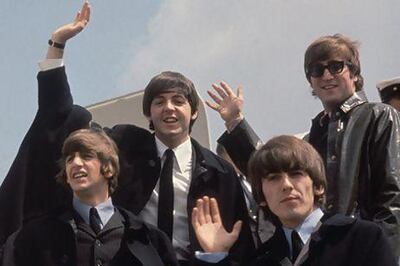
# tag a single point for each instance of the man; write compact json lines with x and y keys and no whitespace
{"x":288,"y":180}
{"x":389,"y":91}
{"x":92,"y":231}
{"x":162,"y":174}
{"x":358,"y":141}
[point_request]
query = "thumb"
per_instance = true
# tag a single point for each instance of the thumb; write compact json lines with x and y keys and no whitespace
{"x":237,"y":227}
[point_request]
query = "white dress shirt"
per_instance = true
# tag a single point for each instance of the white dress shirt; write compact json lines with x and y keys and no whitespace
{"x":305,"y":229}
{"x":181,"y":175}
{"x":104,"y":209}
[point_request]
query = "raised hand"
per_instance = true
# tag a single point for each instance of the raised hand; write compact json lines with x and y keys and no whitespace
{"x":228,"y":104}
{"x":209,"y":229}
{"x":66,"y":32}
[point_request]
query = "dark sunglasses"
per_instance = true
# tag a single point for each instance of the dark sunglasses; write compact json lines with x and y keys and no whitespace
{"x":334,"y":67}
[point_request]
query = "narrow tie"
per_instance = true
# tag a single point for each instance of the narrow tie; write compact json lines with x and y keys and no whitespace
{"x":166,"y":195}
{"x":297,"y":245}
{"x":94,"y":220}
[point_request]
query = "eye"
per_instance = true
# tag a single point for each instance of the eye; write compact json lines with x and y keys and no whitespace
{"x":88,"y":155}
{"x":69,"y":158}
{"x":297,"y":174}
{"x":272,"y":176}
{"x":179,"y":100}
{"x":157,"y":101}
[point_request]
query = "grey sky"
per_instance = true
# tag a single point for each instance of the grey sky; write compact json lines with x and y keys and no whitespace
{"x":258,"y":44}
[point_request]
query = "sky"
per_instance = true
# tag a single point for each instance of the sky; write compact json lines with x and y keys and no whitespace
{"x":259,"y":45}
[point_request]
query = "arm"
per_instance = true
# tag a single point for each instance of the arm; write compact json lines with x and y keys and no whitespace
{"x":385,"y":176}
{"x":240,"y":141}
{"x":29,"y":189}
{"x":68,"y":31}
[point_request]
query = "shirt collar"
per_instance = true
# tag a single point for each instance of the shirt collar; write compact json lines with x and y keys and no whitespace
{"x":104,"y":209}
{"x":183,"y":152}
{"x":306,"y":228}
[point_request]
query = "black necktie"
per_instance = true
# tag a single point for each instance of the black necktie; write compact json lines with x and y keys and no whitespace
{"x":297,"y":245}
{"x":94,"y":220}
{"x":166,"y":195}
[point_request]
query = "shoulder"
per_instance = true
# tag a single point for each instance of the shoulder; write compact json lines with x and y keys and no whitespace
{"x":340,"y":224}
{"x":211,"y":160}
{"x":130,"y":135}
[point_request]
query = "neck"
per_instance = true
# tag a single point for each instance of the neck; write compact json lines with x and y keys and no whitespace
{"x":172,"y":142}
{"x":90,"y":199}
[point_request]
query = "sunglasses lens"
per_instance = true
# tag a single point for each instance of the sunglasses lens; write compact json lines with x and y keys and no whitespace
{"x":335,"y":67}
{"x":316,"y":70}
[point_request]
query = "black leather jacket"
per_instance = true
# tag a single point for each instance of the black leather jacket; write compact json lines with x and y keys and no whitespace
{"x":360,"y":144}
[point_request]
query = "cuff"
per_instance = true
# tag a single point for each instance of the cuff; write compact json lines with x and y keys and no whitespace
{"x":213,"y":257}
{"x":49,"y":64}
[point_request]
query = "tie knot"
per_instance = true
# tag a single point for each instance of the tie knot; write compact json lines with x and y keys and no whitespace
{"x":169,"y":153}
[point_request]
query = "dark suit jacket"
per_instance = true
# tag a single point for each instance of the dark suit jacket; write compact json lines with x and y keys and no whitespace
{"x":51,"y":240}
{"x":32,"y":174}
{"x":340,"y":241}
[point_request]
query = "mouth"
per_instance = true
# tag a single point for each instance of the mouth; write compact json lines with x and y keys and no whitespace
{"x":79,"y":174}
{"x":289,"y":199}
{"x":329,"y":87}
{"x":170,"y":120}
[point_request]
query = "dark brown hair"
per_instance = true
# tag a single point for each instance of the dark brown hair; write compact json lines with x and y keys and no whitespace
{"x":91,"y":141}
{"x":166,"y":81}
{"x":285,"y":154}
{"x":338,"y":45}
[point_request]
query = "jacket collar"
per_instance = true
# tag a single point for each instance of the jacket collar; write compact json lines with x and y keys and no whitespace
{"x":330,"y":224}
{"x":356,"y":99}
{"x":206,"y":159}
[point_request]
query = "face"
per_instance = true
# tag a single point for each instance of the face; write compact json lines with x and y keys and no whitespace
{"x":85,"y":178}
{"x":395,"y":102}
{"x":171,"y":114}
{"x":290,"y":196}
{"x":333,"y":89}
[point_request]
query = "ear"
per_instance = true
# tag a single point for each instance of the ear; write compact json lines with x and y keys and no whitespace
{"x":109,"y":172}
{"x":319,"y":191}
{"x":194,"y":115}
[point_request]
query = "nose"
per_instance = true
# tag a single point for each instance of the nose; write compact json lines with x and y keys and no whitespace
{"x":287,"y":184}
{"x":327,"y":75}
{"x":77,"y":160}
{"x":169,"y":105}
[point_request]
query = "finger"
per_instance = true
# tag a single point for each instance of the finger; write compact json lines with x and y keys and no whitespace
{"x":195,"y":216}
{"x":77,"y":17}
{"x":214,"y":97}
{"x":240,"y":92}
{"x":219,"y":90}
{"x":88,"y":12}
{"x":216,"y":217}
{"x":237,"y":227}
{"x":206,"y":207}
{"x":227,"y":89}
{"x":200,"y":212}
{"x":213,"y":106}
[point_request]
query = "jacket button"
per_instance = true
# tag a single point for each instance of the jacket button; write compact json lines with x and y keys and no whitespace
{"x":333,"y":157}
{"x":152,"y":163}
{"x":98,"y":243}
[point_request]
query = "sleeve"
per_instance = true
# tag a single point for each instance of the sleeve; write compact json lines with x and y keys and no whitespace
{"x":29,"y":188}
{"x":385,"y":176}
{"x":240,"y":143}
